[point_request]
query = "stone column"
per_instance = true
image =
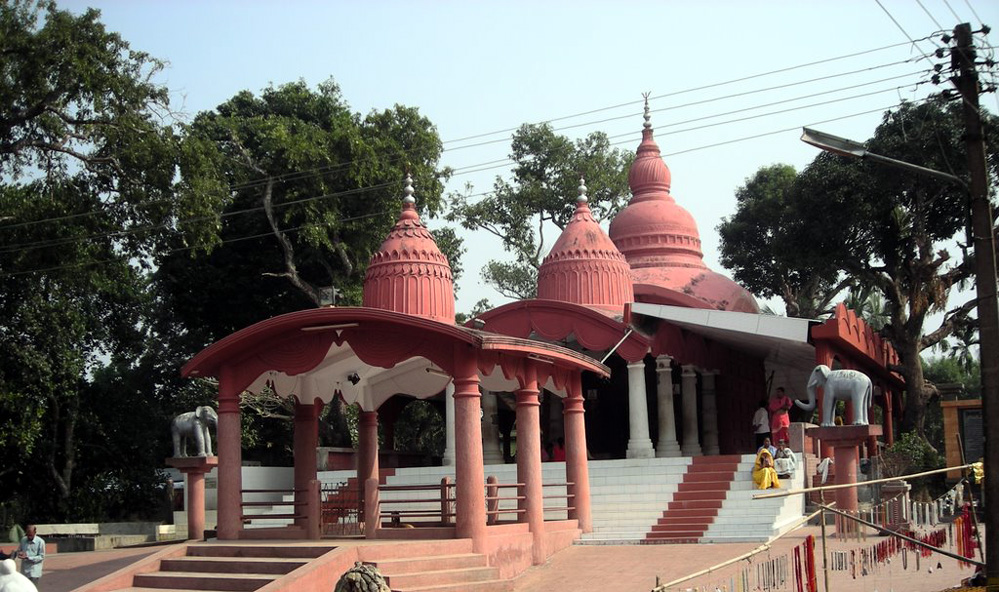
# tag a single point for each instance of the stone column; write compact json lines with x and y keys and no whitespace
{"x":449,"y":425}
{"x":306,"y":440}
{"x":639,"y":444}
{"x":492,"y":454}
{"x":688,"y":385}
{"x":470,"y":522}
{"x":529,"y":464}
{"x":667,"y":446}
{"x":710,"y":412}
{"x":577,"y":470}
{"x":194,"y":469}
{"x":230,"y":452}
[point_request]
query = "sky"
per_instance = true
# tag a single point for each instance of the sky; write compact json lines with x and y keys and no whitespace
{"x":484,"y":68}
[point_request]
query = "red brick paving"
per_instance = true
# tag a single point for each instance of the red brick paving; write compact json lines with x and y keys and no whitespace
{"x":603,"y":568}
{"x":633,"y":568}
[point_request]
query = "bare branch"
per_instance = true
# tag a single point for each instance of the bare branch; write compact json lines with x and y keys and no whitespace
{"x":953,"y":320}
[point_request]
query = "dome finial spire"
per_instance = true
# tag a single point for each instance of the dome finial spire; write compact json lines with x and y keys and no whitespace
{"x":648,"y":117}
{"x":409,"y":191}
{"x":582,"y":191}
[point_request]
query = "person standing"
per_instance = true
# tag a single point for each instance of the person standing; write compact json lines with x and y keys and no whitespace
{"x":761,"y":423}
{"x":780,"y":421}
{"x":31,"y":552}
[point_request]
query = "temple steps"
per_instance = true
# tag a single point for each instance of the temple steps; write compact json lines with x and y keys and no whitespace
{"x":457,"y":571}
{"x":229,"y":568}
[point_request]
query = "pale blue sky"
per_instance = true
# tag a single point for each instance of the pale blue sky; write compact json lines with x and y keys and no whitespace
{"x":480,"y":67}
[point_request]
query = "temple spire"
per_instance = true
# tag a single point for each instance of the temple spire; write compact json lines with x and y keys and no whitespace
{"x":582,"y":191}
{"x":648,"y":116}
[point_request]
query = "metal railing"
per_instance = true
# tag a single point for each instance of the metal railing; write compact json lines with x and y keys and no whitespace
{"x":434,"y":504}
{"x":342,"y":509}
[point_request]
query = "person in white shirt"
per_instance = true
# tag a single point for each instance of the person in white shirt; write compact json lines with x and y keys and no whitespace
{"x":761,"y":423}
{"x":31,"y":552}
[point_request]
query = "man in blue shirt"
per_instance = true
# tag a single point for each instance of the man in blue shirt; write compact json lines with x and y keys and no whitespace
{"x":31,"y":552}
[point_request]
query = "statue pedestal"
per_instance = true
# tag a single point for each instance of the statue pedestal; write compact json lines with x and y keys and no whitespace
{"x":845,"y":442}
{"x":194,"y":469}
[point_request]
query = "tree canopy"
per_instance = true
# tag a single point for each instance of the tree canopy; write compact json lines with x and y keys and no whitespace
{"x":864,"y":224}
{"x":539,"y":200}
{"x":128,"y":242}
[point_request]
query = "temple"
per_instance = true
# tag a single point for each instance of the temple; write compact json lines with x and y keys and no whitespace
{"x":635,"y":356}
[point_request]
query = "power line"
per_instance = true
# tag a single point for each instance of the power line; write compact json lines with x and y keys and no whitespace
{"x":972,"y":9}
{"x":361,"y":190}
{"x":479,"y":167}
{"x":932,"y":18}
{"x":956,"y":18}
{"x":337,"y":166}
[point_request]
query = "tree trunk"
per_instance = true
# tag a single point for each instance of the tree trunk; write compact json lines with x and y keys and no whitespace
{"x":916,"y":393}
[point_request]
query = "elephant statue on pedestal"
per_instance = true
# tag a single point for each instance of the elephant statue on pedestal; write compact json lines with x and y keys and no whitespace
{"x":194,"y":425}
{"x":848,"y":385}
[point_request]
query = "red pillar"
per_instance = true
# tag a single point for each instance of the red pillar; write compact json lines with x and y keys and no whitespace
{"x":823,"y":355}
{"x":230,"y":453}
{"x":470,"y":522}
{"x":306,"y":438}
{"x":194,"y":469}
{"x":577,"y":471}
{"x":529,"y":462}
{"x":367,"y":446}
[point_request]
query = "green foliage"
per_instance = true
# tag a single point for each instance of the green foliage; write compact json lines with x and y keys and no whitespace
{"x":540,"y":195}
{"x":912,"y":454}
{"x":300,"y":192}
{"x":420,"y":428}
{"x":762,"y":242}
{"x":858,"y":223}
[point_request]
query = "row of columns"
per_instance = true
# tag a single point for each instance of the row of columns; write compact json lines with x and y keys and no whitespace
{"x":639,"y":442}
{"x":464,"y":435}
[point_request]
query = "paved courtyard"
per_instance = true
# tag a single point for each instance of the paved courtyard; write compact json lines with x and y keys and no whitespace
{"x":603,"y":568}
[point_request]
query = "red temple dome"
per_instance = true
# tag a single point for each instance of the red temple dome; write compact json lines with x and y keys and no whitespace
{"x":660,"y":240}
{"x":584,"y":267}
{"x":408,"y":273}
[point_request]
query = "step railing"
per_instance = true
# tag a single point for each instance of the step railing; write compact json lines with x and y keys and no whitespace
{"x":305,"y":504}
{"x":398,"y":506}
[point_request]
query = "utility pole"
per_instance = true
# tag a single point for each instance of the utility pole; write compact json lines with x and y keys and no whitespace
{"x":963,"y":60}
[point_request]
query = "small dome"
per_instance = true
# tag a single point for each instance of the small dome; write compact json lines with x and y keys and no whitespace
{"x":584,"y":267}
{"x":660,"y":240}
{"x":408,"y":273}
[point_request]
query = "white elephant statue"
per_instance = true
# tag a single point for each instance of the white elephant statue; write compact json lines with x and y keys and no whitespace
{"x":848,"y":385}
{"x":193,"y":426}
{"x":11,"y":580}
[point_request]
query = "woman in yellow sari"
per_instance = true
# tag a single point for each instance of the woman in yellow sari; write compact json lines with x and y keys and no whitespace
{"x":764,"y":474}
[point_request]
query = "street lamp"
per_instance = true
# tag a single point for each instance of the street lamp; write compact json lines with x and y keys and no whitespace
{"x":844,"y":147}
{"x":985,"y":280}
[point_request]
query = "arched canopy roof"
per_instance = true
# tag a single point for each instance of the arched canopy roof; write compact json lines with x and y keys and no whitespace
{"x":555,"y":320}
{"x":367,"y":355}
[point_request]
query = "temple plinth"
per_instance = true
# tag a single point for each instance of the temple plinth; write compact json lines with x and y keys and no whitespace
{"x":845,"y":442}
{"x":194,"y":469}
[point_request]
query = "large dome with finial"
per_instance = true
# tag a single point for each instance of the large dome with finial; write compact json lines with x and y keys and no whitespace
{"x":660,"y":240}
{"x":584,"y":267}
{"x":408,"y":273}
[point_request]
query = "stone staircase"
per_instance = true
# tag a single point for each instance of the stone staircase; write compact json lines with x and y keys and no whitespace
{"x":700,"y":499}
{"x":632,"y":499}
{"x":226,"y":567}
{"x":453,"y":568}
{"x":696,"y":503}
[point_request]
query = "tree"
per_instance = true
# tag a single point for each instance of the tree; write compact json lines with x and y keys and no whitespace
{"x":87,"y":167}
{"x":540,"y":195}
{"x":760,"y":243}
{"x":304,"y":190}
{"x":887,"y":232}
